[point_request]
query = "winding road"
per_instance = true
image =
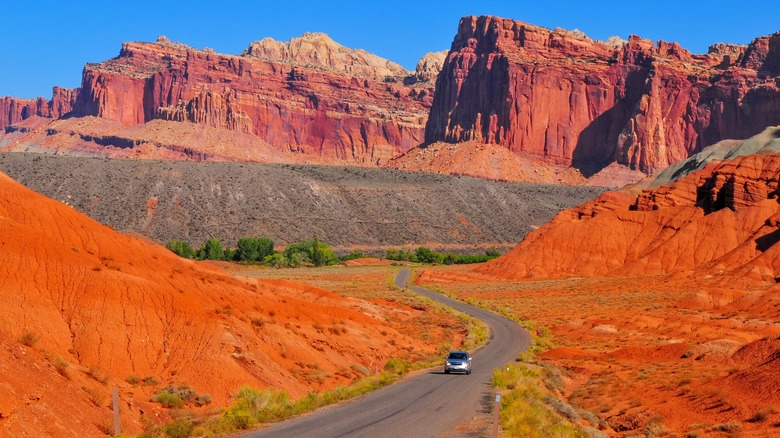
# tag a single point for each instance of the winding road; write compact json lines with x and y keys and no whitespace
{"x":428,"y":405}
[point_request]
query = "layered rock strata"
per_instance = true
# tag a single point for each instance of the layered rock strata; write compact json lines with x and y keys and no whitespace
{"x":571,"y":100}
{"x":310,"y":95}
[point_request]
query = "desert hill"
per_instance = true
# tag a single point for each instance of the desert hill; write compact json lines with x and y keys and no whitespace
{"x":99,"y":306}
{"x":661,"y":299}
{"x":346,"y":207}
{"x":720,"y":220}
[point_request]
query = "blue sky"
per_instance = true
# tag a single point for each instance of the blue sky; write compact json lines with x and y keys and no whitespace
{"x":46,"y":43}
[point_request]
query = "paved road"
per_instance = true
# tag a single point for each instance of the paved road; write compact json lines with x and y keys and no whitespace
{"x":427,"y":405}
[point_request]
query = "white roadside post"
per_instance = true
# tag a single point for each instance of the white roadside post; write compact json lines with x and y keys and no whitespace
{"x":496,"y":408}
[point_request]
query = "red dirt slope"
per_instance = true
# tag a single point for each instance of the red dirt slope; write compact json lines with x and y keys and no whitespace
{"x":724,"y":217}
{"x":115,"y":306}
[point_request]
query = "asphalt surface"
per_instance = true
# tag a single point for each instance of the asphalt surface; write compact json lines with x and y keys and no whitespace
{"x":427,"y":405}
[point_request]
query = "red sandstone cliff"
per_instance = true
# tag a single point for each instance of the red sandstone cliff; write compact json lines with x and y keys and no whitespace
{"x":14,"y":110}
{"x":291,"y":102}
{"x":561,"y":96}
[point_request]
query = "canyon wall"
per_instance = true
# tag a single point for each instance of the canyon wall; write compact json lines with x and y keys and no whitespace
{"x":14,"y":110}
{"x":574,"y":101}
{"x":353,"y":108}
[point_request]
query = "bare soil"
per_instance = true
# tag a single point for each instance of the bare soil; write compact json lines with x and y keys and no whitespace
{"x":347,"y":207}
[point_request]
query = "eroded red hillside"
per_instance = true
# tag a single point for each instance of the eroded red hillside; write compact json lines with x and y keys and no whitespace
{"x":723,"y":218}
{"x":115,"y":306}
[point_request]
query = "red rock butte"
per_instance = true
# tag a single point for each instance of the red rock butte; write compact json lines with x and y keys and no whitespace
{"x":310,"y":95}
{"x":568,"y":99}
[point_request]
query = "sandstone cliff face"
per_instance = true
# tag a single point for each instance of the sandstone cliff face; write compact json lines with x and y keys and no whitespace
{"x":14,"y":110}
{"x":561,"y":96}
{"x":342,"y":112}
{"x":722,"y":218}
{"x":429,"y":66}
{"x":318,"y":50}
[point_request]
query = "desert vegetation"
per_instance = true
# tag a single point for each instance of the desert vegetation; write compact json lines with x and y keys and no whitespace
{"x":312,"y":253}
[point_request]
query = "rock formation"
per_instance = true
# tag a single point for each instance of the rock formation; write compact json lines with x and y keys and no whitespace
{"x":14,"y":110}
{"x":317,"y":50}
{"x":428,"y":67}
{"x":571,"y":100}
{"x":722,"y":218}
{"x":309,"y":95}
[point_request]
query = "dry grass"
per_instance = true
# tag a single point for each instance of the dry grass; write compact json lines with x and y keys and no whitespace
{"x":617,"y":323}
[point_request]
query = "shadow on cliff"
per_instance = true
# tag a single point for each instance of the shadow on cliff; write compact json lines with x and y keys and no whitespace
{"x":597,"y":145}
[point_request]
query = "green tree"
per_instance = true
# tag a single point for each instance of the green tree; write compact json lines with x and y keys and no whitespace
{"x":302,"y":252}
{"x":425,"y":255}
{"x":181,"y":248}
{"x":299,"y":250}
{"x":316,"y":255}
{"x":254,"y":249}
{"x":211,"y":250}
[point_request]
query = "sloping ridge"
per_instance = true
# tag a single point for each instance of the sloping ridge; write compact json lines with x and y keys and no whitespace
{"x":721,"y":220}
{"x":124,"y":306}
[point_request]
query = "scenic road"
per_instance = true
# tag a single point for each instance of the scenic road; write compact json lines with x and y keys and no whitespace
{"x":427,"y":405}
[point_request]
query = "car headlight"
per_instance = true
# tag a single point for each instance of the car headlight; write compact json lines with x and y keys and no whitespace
{"x":448,"y":363}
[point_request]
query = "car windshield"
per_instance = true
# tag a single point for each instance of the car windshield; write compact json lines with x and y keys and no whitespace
{"x":457,"y":356}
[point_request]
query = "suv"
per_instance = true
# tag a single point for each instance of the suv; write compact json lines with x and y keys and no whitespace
{"x":458,"y":361}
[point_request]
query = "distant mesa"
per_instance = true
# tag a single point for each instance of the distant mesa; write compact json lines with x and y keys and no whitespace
{"x":560,"y":96}
{"x":596,"y":112}
{"x":310,"y":97}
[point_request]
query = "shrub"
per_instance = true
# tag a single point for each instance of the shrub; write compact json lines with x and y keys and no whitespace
{"x":28,"y":339}
{"x":179,"y":428}
{"x":276,"y":260}
{"x":314,"y":251}
{"x":182,"y":391}
{"x":61,"y":365}
{"x":181,"y":248}
{"x":168,"y":399}
{"x":353,"y":255}
{"x":133,"y":379}
{"x":397,"y":366}
{"x":202,"y":399}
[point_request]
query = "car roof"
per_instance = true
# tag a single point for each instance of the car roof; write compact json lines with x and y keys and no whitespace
{"x":459,"y":351}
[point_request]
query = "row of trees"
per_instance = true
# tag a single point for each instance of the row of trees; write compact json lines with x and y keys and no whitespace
{"x":314,"y":252}
{"x":260,"y":249}
{"x":426,"y":255}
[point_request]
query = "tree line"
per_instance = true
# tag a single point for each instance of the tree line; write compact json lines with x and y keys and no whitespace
{"x":309,"y":252}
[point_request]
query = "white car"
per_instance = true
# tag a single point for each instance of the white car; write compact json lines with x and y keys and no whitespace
{"x":458,"y":361}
